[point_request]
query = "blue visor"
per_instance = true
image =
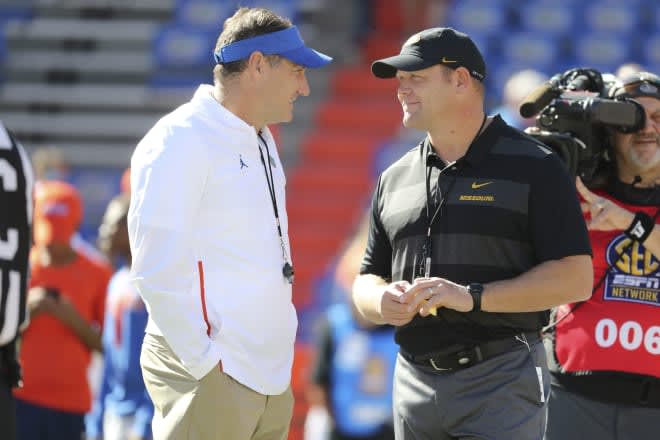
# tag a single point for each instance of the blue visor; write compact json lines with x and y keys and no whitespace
{"x":286,"y":43}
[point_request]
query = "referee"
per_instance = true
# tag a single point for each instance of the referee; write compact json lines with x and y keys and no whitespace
{"x":15,"y":227}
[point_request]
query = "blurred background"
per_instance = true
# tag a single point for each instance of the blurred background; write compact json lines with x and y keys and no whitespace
{"x":81,"y":81}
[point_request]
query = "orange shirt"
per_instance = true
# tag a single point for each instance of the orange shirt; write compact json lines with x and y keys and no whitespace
{"x":53,"y":359}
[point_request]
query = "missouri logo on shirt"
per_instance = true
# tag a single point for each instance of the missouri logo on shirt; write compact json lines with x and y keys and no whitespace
{"x":477,"y":195}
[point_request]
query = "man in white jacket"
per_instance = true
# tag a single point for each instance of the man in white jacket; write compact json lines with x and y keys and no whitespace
{"x":209,"y":238}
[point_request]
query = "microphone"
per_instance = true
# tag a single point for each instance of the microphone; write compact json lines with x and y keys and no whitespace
{"x":540,"y":97}
{"x":629,"y":188}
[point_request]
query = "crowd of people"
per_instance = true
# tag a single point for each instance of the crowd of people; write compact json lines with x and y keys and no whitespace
{"x":488,"y":293}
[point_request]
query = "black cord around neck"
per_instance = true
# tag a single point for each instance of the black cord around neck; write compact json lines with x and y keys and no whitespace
{"x":426,"y":251}
{"x":287,"y":269}
{"x":270,"y":181}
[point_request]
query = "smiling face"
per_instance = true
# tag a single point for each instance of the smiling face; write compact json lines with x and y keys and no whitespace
{"x":285,"y":82}
{"x":640,"y":152}
{"x":425,"y":95}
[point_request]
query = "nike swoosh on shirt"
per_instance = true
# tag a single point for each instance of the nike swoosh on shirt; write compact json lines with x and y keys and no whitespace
{"x":476,"y":185}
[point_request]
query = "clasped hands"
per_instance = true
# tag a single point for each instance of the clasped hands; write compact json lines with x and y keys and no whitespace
{"x":39,"y":301}
{"x":401,"y":301}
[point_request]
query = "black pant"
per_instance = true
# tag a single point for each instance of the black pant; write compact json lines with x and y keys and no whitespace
{"x":386,"y":433}
{"x":7,"y":412}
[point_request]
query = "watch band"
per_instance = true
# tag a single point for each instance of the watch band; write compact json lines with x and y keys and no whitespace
{"x":641,"y":227}
{"x":475,"y":290}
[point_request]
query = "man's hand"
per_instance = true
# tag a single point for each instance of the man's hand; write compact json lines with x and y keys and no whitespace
{"x":392,"y":309}
{"x":60,"y":307}
{"x":38,"y":301}
{"x":605,"y":214}
{"x":426,"y":295}
{"x":65,"y":312}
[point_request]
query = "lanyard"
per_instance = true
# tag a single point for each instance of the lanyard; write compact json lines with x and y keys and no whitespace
{"x":428,"y":244}
{"x":287,"y":269}
{"x":431,"y":219}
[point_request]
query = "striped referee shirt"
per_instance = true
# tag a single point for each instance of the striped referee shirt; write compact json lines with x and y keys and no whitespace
{"x":16,"y":181}
{"x":506,"y":206}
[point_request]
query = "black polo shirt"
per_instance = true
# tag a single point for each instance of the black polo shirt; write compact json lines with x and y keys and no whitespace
{"x":509,"y":205}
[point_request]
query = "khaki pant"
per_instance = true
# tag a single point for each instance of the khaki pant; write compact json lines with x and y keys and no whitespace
{"x":213,"y":408}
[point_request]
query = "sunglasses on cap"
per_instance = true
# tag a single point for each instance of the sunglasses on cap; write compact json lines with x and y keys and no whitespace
{"x":637,"y":85}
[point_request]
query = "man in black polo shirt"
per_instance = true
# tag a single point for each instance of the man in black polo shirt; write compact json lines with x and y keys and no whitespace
{"x":475,"y":234}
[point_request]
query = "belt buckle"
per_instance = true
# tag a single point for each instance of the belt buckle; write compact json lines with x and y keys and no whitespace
{"x":436,"y":368}
{"x":463,"y":359}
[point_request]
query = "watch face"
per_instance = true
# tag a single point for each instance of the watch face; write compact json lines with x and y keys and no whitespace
{"x":476,"y":287}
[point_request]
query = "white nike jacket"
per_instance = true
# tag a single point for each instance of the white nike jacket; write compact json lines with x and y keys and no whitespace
{"x":207,"y":258}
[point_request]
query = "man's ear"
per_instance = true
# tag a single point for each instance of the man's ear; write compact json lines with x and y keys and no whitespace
{"x":462,"y":77}
{"x":256,"y":61}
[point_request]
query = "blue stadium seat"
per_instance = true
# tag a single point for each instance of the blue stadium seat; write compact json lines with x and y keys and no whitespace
{"x":16,"y":12}
{"x":184,"y":46}
{"x":650,"y":50}
{"x":211,"y":14}
{"x":97,"y":186}
{"x":649,"y":11}
{"x":530,"y":49}
{"x":9,"y":13}
{"x":285,"y":8}
{"x":654,"y":13}
{"x":484,"y":44}
{"x":604,"y":52}
{"x":167,"y":81}
{"x":478,"y":17}
{"x":3,"y":43}
{"x":613,"y":16}
{"x":208,"y":14}
{"x":549,"y":17}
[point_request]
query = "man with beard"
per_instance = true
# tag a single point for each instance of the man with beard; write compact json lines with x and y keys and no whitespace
{"x":604,"y":352}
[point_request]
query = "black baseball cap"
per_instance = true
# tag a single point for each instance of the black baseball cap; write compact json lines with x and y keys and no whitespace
{"x":636,"y":85}
{"x":433,"y":46}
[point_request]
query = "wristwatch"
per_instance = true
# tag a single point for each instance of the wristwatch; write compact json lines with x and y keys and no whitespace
{"x":475,"y":290}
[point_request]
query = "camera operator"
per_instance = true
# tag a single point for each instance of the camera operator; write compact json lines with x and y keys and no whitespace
{"x":15,"y":222}
{"x":605,"y":353}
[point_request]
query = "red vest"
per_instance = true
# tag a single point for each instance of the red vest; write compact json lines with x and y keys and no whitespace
{"x":618,"y":329}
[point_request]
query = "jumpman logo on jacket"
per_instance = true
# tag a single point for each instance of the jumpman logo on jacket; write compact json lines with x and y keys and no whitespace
{"x":243,"y":164}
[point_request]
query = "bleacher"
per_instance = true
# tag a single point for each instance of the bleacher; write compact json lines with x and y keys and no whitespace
{"x":92,"y":76}
{"x":547,"y":35}
{"x":552,"y":36}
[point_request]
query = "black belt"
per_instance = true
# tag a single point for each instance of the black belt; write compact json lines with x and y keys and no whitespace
{"x":458,"y":358}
